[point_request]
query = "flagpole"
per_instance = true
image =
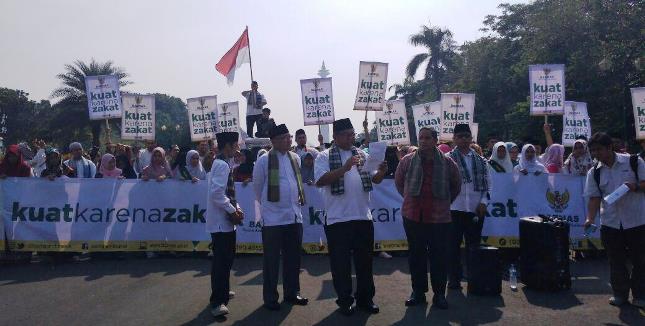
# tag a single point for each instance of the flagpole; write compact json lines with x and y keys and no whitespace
{"x":250,"y":62}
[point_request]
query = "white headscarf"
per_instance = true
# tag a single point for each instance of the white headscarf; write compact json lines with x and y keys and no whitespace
{"x":506,"y":161}
{"x":532,"y":165}
{"x":580,"y":165}
{"x":195,"y":171}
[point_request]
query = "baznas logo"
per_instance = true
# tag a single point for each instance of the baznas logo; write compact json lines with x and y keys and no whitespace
{"x":389,"y":108}
{"x":558,"y":201}
{"x":457,"y":99}
{"x":373,"y":68}
{"x":546,"y":71}
{"x":224,"y":108}
{"x":202,"y":101}
{"x":316,"y":82}
{"x":138,"y":99}
{"x":101,"y":81}
{"x":427,"y":108}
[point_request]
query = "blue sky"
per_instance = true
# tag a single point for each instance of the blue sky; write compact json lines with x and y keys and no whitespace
{"x":172,"y":46}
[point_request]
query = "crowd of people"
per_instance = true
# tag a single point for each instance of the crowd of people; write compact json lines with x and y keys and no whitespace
{"x":445,"y":189}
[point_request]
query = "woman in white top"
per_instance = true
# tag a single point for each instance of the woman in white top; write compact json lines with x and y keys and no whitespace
{"x":529,"y":162}
{"x":500,"y":161}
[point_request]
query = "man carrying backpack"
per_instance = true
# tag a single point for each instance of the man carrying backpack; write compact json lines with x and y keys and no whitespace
{"x":623,"y":222}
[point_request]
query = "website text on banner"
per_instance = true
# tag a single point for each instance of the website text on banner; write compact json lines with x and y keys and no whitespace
{"x":130,"y":215}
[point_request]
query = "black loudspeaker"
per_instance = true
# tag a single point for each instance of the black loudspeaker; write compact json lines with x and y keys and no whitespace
{"x":544,"y":253}
{"x":484,"y":274}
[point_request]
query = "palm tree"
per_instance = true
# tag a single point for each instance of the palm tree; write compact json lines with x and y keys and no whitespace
{"x":72,"y":93}
{"x":440,"y":55}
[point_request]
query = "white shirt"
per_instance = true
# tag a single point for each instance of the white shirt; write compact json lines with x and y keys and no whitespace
{"x":251,"y":109}
{"x":287,"y":210}
{"x":218,"y":205}
{"x":468,"y":199}
{"x":145,"y":157}
{"x":351,"y":205}
{"x":38,"y":162}
{"x":628,"y":211}
{"x":78,"y":166}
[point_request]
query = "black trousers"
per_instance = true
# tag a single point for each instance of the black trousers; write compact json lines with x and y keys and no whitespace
{"x":463,"y":227}
{"x":285,"y":239}
{"x":622,"y":245}
{"x":347,"y":240}
{"x":250,"y":121}
{"x":223,"y":255}
{"x":428,"y":241}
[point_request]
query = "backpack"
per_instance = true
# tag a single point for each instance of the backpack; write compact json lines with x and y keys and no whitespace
{"x":633,"y":163}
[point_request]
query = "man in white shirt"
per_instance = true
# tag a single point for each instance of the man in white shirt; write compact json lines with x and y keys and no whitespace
{"x":348,"y":222}
{"x":623,"y":222}
{"x":83,"y":168}
{"x":254,"y":103}
{"x":222,"y":215}
{"x":278,"y":188}
{"x":469,"y":208}
{"x":301,"y":145}
{"x":145,"y":156}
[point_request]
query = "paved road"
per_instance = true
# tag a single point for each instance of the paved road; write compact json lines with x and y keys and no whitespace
{"x":174,"y":291}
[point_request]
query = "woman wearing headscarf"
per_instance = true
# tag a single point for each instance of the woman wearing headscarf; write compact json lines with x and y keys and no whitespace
{"x":529,"y":162}
{"x":13,"y":164}
{"x":553,"y":158}
{"x":579,"y":161}
{"x":54,"y":167}
{"x":499,"y":161}
{"x":158,"y":168}
{"x":307,"y":168}
{"x":123,"y":163}
{"x":244,"y":171}
{"x":190,"y":168}
{"x":514,"y":152}
{"x":108,"y":168}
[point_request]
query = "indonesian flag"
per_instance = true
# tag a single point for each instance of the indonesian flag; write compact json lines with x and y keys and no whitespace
{"x":235,"y":57}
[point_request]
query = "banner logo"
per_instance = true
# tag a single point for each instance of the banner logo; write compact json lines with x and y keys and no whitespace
{"x":558,"y":201}
{"x":202,"y":101}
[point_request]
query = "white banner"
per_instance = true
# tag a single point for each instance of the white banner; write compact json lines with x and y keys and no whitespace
{"x":133,"y":215}
{"x":456,"y":108}
{"x":427,"y":115}
{"x":547,"y":89}
{"x":138,"y":120}
{"x":103,"y":97}
{"x":392,"y":124}
{"x":202,"y":117}
{"x":317,"y":101}
{"x":228,"y":117}
{"x":372,"y":85}
{"x":638,"y":102}
{"x":575,"y":122}
{"x":474,"y":130}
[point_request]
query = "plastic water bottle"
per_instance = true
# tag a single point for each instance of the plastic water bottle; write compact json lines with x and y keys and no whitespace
{"x":512,"y":276}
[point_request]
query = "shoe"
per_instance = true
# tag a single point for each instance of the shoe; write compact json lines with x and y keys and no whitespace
{"x":219,"y":310}
{"x":273,"y":306}
{"x":617,"y":301}
{"x":384,"y":254}
{"x":347,"y":310}
{"x":454,"y":285}
{"x":297,"y":300}
{"x":231,"y":295}
{"x":369,"y":307}
{"x":640,"y":303}
{"x":440,"y":302}
{"x":415,"y":300}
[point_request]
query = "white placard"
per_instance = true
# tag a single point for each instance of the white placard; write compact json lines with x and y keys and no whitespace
{"x":575,"y":122}
{"x":103,"y":97}
{"x":392,"y":124}
{"x":372,"y":85}
{"x":427,"y":115}
{"x":474,"y":130}
{"x":228,"y":117}
{"x":456,"y":108}
{"x":138,"y":120}
{"x":317,"y":101}
{"x":638,"y":102}
{"x":202,"y":117}
{"x":547,"y":89}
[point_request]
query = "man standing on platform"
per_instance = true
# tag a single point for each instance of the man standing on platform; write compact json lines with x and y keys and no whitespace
{"x":278,"y":188}
{"x":222,"y":215}
{"x":469,"y":208}
{"x":254,"y":103}
{"x":301,"y":144}
{"x":429,"y":182}
{"x":348,"y":226}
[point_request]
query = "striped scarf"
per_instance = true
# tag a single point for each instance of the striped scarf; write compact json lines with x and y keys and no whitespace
{"x":273,"y":193}
{"x":478,"y":167}
{"x":230,"y":183}
{"x":335,"y":162}
{"x":414,"y":176}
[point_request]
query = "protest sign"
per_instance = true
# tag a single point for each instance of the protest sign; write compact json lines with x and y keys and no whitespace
{"x":427,"y":115}
{"x":138,"y":120}
{"x":456,"y":108}
{"x":103,"y":97}
{"x":392,"y":124}
{"x":317,"y":101}
{"x":228,"y":117}
{"x":202,"y":117}
{"x":638,"y":102}
{"x":547,"y":89}
{"x":575,"y":122}
{"x":372,"y":85}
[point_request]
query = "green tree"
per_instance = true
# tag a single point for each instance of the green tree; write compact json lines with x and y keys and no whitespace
{"x":73,"y":100}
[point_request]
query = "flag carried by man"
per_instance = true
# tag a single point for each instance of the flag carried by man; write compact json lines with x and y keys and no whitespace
{"x":239,"y":54}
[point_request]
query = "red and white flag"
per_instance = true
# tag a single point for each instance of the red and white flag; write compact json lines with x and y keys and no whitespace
{"x":235,"y":57}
